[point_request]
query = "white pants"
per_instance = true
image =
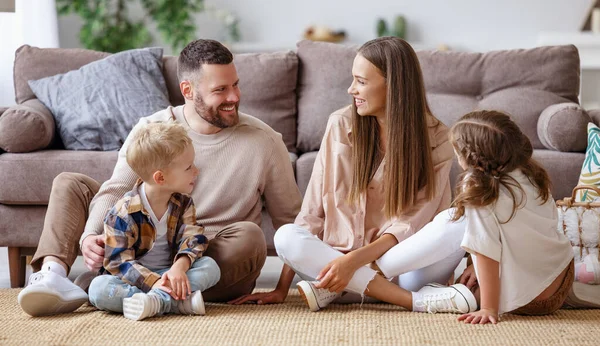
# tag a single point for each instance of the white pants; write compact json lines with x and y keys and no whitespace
{"x":430,"y":255}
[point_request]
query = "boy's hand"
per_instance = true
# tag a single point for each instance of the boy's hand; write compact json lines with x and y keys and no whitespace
{"x":177,"y":278}
{"x":482,"y":316}
{"x":162,"y":285}
{"x":468,"y":277}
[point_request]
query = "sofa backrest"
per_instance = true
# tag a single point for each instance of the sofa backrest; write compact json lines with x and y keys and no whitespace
{"x":520,"y":82}
{"x":267,"y":80}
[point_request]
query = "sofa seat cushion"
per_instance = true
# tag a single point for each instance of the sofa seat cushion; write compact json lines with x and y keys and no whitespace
{"x":28,"y":177}
{"x":21,"y":225}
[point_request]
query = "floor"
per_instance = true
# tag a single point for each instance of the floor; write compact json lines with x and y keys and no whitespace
{"x":267,"y":279}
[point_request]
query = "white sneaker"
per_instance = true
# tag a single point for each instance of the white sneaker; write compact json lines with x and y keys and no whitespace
{"x":49,"y":293}
{"x":192,"y":305}
{"x":316,"y":298}
{"x":438,"y":298}
{"x":141,"y":306}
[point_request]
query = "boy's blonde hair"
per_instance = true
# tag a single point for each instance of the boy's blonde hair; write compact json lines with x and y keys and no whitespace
{"x":154,"y":146}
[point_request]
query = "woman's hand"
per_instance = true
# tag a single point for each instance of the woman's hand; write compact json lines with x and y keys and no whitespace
{"x":482,"y":316}
{"x":337,"y":274}
{"x":273,"y":297}
{"x":468,"y":277}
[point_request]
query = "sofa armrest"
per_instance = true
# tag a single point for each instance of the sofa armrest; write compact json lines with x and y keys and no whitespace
{"x":26,"y":127}
{"x":563,"y":127}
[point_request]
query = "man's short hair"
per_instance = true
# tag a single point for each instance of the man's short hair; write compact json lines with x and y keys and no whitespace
{"x":154,"y":146}
{"x":200,"y":52}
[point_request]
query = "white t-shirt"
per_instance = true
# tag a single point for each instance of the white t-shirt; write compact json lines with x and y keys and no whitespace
{"x":159,"y":256}
{"x":530,"y":251}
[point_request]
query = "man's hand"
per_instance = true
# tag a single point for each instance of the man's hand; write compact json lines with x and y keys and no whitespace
{"x":273,"y":297}
{"x":337,"y":274}
{"x":92,"y":249}
{"x":468,"y":277}
{"x":482,"y":316}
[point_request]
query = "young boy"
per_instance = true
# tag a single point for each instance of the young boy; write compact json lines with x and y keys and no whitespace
{"x":153,"y":245}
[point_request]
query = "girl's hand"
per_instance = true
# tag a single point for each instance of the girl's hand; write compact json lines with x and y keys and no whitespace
{"x":468,"y":277}
{"x":337,"y":274}
{"x":482,"y":316}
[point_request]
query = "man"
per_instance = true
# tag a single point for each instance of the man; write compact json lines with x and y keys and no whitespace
{"x":240,"y":160}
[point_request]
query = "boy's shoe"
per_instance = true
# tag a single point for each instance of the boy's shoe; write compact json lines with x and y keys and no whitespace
{"x":583,"y":296}
{"x":588,"y":272}
{"x":316,"y":298}
{"x":192,"y":305}
{"x":141,"y":306}
{"x":438,"y":298}
{"x":49,"y":293}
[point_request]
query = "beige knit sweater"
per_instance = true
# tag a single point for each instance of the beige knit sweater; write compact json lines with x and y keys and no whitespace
{"x":238,"y":166}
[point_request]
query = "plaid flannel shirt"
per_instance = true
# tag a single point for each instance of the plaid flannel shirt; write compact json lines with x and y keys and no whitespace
{"x":129,"y":234}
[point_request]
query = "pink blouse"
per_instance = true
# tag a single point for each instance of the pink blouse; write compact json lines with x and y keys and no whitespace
{"x":348,"y":226}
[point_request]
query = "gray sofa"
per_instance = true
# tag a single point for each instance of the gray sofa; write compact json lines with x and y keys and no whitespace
{"x":294,"y":92}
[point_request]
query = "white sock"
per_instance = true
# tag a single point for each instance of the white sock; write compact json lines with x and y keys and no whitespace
{"x":417,"y":302}
{"x":51,"y":266}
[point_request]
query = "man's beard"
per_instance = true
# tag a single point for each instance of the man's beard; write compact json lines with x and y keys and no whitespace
{"x":212,"y":116}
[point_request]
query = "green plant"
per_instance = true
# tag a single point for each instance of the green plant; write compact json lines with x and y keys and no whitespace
{"x":107,"y":27}
{"x":399,"y":29}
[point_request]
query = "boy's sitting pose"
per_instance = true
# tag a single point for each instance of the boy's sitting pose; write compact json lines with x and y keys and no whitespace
{"x":153,"y":245}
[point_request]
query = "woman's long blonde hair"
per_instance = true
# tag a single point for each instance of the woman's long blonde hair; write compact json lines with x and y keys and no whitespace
{"x":492,"y":145}
{"x":409,"y":166}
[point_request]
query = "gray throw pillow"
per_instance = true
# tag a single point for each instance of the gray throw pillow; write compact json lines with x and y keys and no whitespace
{"x":97,"y":105}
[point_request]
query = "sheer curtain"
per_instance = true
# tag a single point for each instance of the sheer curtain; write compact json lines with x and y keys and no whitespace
{"x":33,"y":22}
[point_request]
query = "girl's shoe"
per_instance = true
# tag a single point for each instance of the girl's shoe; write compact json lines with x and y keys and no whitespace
{"x":316,"y":298}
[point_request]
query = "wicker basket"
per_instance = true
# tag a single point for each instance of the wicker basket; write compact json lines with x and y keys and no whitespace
{"x":580,"y":223}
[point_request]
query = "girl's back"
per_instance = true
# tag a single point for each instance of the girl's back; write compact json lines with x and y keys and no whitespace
{"x":530,"y":251}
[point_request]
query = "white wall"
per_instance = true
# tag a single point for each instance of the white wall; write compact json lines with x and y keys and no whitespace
{"x":34,"y":22}
{"x":9,"y":41}
{"x":475,"y":25}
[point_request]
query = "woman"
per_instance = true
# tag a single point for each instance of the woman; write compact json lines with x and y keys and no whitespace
{"x":381,"y":175}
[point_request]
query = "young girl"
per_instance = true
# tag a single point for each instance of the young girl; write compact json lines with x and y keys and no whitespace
{"x":522,"y":264}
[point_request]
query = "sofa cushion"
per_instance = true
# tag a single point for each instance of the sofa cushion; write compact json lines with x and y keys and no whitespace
{"x":97,"y":105}
{"x":31,"y":174}
{"x":26,"y":127}
{"x":21,"y":226}
{"x":325,"y":74}
{"x":304,"y":168}
{"x":33,"y":63}
{"x":268,"y":86}
{"x":520,"y":82}
{"x":563,"y":127}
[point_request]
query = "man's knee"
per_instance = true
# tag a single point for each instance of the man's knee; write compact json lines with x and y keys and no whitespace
{"x":251,"y":237}
{"x":67,"y":183}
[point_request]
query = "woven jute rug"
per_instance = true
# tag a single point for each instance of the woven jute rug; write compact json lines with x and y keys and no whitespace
{"x":291,"y":324}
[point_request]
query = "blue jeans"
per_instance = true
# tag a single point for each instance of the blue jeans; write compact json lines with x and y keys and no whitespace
{"x":107,"y":292}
